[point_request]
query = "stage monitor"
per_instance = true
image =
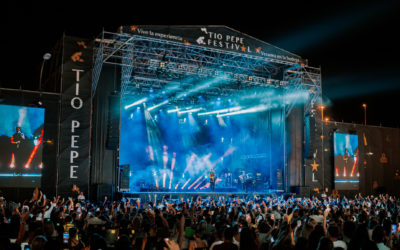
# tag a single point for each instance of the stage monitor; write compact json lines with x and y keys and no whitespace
{"x":21,"y":143}
{"x":346,"y":159}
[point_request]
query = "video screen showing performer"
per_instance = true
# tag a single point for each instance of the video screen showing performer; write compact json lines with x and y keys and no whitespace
{"x":346,"y":158}
{"x":21,"y":143}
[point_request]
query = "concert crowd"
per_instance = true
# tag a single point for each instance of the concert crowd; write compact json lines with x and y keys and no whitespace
{"x":276,"y":222}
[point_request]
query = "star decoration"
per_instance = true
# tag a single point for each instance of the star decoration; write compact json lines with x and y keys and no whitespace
{"x":76,"y":57}
{"x":81,"y":43}
{"x":314,"y":166}
{"x":243,"y":48}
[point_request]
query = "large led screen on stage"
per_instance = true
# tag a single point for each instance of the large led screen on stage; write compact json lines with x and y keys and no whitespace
{"x":21,"y":143}
{"x":192,"y":150}
{"x":346,"y":159}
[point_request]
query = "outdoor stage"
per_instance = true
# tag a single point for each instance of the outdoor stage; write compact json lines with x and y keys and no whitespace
{"x":186,"y":109}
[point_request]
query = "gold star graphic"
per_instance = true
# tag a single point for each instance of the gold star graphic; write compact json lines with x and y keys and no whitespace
{"x":314,"y":166}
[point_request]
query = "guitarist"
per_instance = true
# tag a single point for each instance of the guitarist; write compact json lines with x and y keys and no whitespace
{"x":212,"y":176}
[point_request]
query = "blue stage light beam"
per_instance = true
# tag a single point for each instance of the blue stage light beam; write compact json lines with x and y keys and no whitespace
{"x":173,"y":110}
{"x":220,"y":111}
{"x":205,"y":84}
{"x":136,"y":103}
{"x":296,"y":97}
{"x":258,"y":108}
{"x":158,"y":105}
{"x":322,"y":30}
{"x":190,"y":111}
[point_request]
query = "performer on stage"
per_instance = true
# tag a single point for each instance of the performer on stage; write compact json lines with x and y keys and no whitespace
{"x":16,"y":139}
{"x":242,"y":179}
{"x":226,"y":179}
{"x":248,"y":182}
{"x":229,"y":180}
{"x":212,"y":176}
{"x":346,"y":157}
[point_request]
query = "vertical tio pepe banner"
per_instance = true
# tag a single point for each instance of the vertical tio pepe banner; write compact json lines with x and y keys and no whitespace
{"x":75,"y":115}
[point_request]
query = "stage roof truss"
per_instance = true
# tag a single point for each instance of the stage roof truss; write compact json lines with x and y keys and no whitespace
{"x":150,"y":63}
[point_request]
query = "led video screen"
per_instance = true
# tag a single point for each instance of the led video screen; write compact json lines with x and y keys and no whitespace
{"x":346,"y":159}
{"x":21,"y":144}
{"x":188,"y":150}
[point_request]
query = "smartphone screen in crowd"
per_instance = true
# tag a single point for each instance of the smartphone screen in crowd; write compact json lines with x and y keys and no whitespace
{"x":66,"y":237}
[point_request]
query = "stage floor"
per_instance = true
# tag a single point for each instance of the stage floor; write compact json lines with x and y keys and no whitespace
{"x":152,"y":196}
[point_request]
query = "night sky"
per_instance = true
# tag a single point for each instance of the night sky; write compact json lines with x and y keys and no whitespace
{"x":356,"y":44}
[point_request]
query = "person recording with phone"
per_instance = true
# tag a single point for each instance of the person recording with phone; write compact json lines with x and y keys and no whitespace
{"x":73,"y":241}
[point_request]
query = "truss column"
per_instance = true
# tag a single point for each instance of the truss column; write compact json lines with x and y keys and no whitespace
{"x":98,"y":65}
{"x":127,"y":66}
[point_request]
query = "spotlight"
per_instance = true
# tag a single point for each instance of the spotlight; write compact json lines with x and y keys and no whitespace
{"x":46,"y":56}
{"x":36,"y":102}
